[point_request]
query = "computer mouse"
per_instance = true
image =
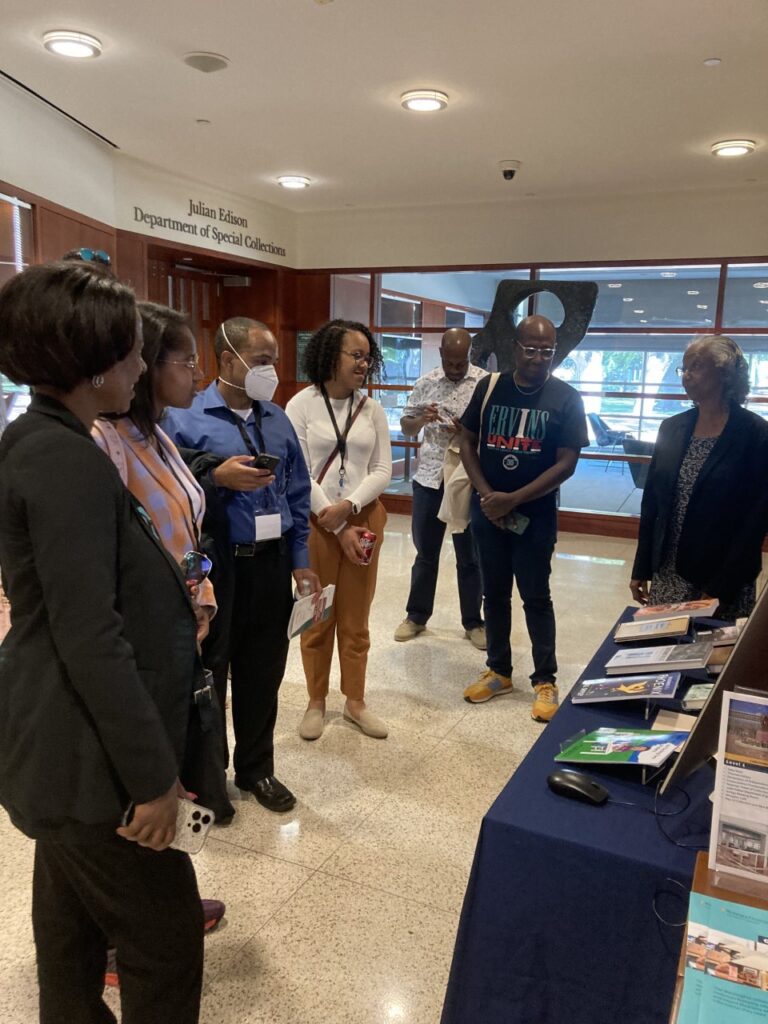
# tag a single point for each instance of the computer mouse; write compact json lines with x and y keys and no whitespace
{"x":577,"y":786}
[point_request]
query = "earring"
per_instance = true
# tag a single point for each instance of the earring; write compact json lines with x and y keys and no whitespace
{"x":97,"y":381}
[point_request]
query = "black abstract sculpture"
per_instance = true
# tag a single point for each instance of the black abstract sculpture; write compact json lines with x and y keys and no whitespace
{"x":498,"y":336}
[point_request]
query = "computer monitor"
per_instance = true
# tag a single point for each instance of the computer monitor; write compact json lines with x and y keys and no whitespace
{"x":747,"y":667}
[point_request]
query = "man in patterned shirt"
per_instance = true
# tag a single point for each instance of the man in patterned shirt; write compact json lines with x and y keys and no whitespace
{"x":437,"y":402}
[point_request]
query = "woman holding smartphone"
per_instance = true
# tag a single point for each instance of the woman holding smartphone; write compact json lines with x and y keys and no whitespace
{"x":344,"y":436}
{"x":95,"y":695}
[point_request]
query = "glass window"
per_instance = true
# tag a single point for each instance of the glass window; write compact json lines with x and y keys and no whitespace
{"x":15,"y":255}
{"x":351,"y":297}
{"x":746,"y":296}
{"x":440,"y":299}
{"x":662,"y":296}
{"x":405,"y":451}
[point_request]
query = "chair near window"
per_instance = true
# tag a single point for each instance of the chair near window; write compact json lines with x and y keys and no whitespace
{"x":639,"y":470}
{"x":607,"y":437}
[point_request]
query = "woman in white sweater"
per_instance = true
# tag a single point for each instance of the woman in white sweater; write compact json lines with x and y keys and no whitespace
{"x":345,"y":439}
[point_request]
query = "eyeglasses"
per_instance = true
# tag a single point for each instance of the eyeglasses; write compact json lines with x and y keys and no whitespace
{"x":95,"y":256}
{"x":191,"y":364}
{"x":691,"y":368}
{"x":195,"y":566}
{"x":359,"y":357}
{"x":531,"y":352}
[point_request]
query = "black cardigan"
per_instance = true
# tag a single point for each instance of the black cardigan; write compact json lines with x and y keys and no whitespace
{"x":727,"y":516}
{"x":97,"y":671}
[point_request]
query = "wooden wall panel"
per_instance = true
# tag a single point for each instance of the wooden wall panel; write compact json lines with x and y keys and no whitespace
{"x":59,"y":232}
{"x":132,"y":262}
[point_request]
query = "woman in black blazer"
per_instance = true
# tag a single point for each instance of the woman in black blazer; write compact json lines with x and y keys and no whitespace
{"x":97,"y":672}
{"x":704,"y":512}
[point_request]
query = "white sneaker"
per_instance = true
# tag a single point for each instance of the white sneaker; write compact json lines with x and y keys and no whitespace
{"x":407,"y":630}
{"x":476,"y":637}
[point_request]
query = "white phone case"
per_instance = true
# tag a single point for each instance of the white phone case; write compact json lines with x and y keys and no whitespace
{"x":193,"y":823}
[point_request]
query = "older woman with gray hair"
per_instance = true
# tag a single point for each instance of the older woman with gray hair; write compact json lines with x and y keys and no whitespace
{"x":705,"y":505}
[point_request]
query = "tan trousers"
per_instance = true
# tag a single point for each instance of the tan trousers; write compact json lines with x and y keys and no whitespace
{"x":355,"y":587}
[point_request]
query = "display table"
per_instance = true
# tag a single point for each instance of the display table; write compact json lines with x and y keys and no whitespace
{"x":559,"y":924}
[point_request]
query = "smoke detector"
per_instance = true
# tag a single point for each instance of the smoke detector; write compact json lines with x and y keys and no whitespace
{"x":206,"y":62}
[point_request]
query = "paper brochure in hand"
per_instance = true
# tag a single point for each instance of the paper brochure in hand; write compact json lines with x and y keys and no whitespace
{"x":308,"y":611}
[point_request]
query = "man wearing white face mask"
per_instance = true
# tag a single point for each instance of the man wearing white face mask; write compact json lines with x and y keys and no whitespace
{"x":264,"y":513}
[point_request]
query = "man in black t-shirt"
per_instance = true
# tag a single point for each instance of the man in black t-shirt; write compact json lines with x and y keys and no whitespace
{"x":528,"y":443}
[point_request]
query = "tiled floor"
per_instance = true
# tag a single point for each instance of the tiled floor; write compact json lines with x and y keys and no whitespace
{"x":345,"y":911}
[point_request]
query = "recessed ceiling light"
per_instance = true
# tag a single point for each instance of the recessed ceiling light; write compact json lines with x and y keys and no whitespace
{"x":760,"y":284}
{"x":700,"y":306}
{"x":638,"y":310}
{"x":668,"y":273}
{"x":692,"y":291}
{"x":424,"y":100}
{"x":643,"y":321}
{"x":72,"y":44}
{"x":733,"y":147}
{"x":614,"y":284}
{"x":763,"y":302}
{"x":293,"y":181}
{"x":712,"y":62}
{"x":206,"y":62}
{"x":628,"y":298}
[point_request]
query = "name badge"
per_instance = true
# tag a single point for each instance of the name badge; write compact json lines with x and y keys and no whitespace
{"x":268,"y":526}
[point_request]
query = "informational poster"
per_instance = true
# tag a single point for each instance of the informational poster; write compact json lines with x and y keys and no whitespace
{"x":739,"y":840}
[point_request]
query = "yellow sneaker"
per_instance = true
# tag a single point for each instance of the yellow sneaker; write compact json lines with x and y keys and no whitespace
{"x":545,"y":703}
{"x":490,"y":684}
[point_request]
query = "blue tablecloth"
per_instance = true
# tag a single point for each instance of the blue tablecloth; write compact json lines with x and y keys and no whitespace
{"x":559,"y":924}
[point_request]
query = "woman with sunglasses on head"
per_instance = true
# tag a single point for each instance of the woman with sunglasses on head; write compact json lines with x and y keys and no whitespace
{"x":153,"y":471}
{"x":95,"y":697}
{"x":344,"y":436}
{"x":705,"y":504}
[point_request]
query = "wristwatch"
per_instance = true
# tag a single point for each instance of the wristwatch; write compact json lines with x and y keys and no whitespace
{"x":355,"y":506}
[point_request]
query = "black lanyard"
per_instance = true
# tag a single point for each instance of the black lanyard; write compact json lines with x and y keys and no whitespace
{"x":239,"y":422}
{"x":341,"y":439}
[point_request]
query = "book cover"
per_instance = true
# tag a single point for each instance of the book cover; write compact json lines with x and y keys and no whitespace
{"x":696,"y":696}
{"x":621,"y":746}
{"x":725,"y":636}
{"x":696,"y":609}
{"x":726,"y":963}
{"x":671,"y":657}
{"x":676,"y":626}
{"x":656,"y":686}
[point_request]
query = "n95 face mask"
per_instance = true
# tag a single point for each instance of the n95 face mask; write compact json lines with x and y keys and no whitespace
{"x":260,"y":382}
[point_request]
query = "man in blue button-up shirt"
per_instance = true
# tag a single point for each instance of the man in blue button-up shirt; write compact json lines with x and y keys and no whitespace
{"x":267,"y":514}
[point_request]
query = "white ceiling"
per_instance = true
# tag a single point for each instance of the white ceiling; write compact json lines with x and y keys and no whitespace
{"x":594,"y":97}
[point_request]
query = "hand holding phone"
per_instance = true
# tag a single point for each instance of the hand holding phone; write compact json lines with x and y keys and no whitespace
{"x":265,"y":461}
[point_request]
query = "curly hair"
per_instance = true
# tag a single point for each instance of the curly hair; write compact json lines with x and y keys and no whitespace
{"x":321,"y":356}
{"x":729,"y":360}
{"x":61,"y":323}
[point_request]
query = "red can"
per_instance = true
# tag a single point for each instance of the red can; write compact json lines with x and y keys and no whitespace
{"x":367,"y":543}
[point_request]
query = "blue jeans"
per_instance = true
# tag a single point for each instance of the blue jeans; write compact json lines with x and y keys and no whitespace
{"x":527,"y":559}
{"x":428,"y":533}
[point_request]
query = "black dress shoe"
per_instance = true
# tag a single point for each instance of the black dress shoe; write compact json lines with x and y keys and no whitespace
{"x":270,"y":793}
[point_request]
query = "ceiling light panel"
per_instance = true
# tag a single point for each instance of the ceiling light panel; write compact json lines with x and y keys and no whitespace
{"x":424,"y":100}
{"x":78,"y":45}
{"x":294,"y":181}
{"x":733,"y":147}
